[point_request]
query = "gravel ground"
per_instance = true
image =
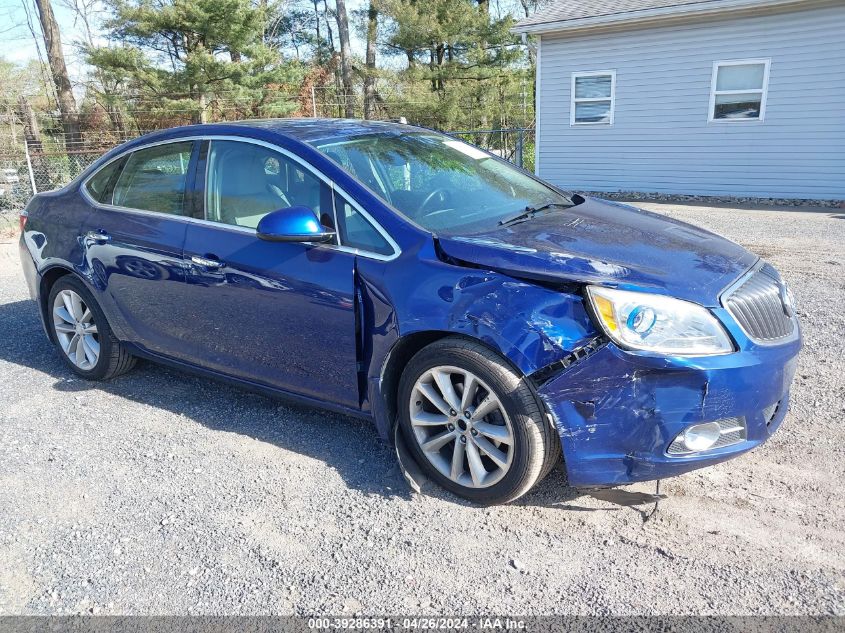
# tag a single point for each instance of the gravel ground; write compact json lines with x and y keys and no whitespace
{"x":160,"y":493}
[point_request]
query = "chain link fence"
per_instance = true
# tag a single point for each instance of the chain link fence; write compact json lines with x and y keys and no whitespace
{"x":34,"y":170}
{"x":16,"y":188}
{"x":23,"y":174}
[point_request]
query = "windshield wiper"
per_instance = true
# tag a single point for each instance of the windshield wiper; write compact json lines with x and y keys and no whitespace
{"x":531,"y":212}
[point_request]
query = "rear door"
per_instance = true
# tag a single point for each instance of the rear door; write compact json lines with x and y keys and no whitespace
{"x":133,"y":241}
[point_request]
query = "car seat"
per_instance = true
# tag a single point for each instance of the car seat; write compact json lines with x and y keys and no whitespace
{"x":245,"y":192}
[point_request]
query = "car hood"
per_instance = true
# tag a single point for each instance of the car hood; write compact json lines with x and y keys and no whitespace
{"x":611,"y":244}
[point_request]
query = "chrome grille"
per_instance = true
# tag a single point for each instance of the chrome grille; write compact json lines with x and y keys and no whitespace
{"x":757,"y":305}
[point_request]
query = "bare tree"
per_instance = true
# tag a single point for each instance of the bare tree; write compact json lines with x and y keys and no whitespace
{"x":531,"y":6}
{"x":370,"y":77}
{"x":345,"y":58}
{"x":31,"y":131}
{"x":106,"y":89}
{"x":84,"y":11}
{"x":56,"y":59}
{"x":32,"y":138}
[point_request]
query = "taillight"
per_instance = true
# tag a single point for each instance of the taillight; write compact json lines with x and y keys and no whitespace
{"x":22,"y":219}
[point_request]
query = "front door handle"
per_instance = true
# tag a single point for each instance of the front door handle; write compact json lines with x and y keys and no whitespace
{"x":207,"y":263}
{"x":100,"y":237}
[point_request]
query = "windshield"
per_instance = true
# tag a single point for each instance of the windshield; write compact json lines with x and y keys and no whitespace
{"x":440,"y":183}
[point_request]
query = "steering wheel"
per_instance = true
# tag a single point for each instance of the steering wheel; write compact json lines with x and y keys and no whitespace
{"x":444,"y":194}
{"x":279,"y":194}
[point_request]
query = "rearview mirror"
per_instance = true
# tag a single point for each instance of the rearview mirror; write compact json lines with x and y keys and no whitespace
{"x":293,"y":224}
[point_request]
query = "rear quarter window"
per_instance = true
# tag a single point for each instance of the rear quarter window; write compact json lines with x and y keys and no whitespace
{"x":100,"y":184}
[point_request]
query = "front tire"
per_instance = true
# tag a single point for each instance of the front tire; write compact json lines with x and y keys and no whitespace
{"x":82,"y":334}
{"x":473,"y":423}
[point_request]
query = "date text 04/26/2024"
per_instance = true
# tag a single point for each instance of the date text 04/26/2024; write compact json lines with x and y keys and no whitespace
{"x":423,"y":623}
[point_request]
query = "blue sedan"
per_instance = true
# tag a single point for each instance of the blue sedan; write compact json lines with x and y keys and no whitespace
{"x":395,"y":273}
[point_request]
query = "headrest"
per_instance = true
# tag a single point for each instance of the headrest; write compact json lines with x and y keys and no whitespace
{"x":335,"y":157}
{"x":243,"y":171}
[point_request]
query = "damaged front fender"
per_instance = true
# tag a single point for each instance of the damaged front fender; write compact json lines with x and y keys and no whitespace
{"x":531,"y":325}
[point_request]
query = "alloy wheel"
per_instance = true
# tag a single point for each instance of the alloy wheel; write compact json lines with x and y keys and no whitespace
{"x":75,"y":329}
{"x":461,"y":427}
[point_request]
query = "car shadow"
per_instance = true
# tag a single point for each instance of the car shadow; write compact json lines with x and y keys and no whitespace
{"x":346,"y":444}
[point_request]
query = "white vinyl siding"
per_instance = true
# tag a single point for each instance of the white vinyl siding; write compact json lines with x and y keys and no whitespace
{"x":662,"y":141}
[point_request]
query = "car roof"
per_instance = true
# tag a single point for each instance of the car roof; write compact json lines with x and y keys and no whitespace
{"x":305,"y":130}
{"x":287,"y":131}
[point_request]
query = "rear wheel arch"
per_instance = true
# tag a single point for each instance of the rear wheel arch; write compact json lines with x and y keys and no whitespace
{"x":81,"y":309}
{"x":48,"y":279}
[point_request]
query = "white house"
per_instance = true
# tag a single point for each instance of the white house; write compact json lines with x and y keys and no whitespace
{"x":701,"y":97}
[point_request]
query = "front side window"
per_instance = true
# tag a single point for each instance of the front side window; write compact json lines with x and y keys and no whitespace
{"x":358,"y":232}
{"x":592,"y":97}
{"x":738,"y":90}
{"x":245,"y":182}
{"x":439,"y":182}
{"x":154,"y":179}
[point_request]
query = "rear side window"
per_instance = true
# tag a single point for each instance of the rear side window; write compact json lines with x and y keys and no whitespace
{"x":99,"y":185}
{"x":357,"y":232}
{"x":154,"y":179}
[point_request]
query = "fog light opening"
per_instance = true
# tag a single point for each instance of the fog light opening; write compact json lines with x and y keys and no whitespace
{"x":700,"y":437}
{"x":708,"y":435}
{"x":770,"y":412}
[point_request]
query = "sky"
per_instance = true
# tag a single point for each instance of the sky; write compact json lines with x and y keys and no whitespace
{"x":17,"y":44}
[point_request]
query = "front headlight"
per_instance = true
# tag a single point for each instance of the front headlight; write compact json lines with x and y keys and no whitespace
{"x":654,"y":323}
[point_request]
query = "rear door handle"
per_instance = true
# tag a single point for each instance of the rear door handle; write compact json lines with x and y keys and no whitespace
{"x":207,"y":263}
{"x":101,"y":237}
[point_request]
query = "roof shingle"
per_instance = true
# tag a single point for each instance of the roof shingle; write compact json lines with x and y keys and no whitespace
{"x":564,"y":10}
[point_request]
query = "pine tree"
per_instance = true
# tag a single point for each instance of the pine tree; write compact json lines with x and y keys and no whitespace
{"x":465,"y":55}
{"x":195,"y":57}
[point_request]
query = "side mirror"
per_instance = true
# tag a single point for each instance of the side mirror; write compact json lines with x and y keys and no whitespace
{"x":294,"y":224}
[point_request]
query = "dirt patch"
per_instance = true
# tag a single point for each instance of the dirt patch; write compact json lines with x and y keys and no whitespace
{"x":162,"y":493}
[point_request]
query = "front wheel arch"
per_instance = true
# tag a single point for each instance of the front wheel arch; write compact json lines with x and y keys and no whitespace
{"x":391,"y":371}
{"x":525,"y":407}
{"x":406,"y":348}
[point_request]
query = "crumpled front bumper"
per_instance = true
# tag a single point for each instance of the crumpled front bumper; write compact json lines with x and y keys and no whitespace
{"x":617,"y":411}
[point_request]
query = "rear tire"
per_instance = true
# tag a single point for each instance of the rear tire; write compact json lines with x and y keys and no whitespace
{"x":496,"y":443}
{"x":82,"y":334}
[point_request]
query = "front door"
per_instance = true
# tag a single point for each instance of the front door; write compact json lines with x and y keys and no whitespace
{"x":280,"y":314}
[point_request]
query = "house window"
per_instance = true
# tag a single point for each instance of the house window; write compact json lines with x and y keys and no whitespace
{"x":738,"y":90}
{"x":592,"y":98}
